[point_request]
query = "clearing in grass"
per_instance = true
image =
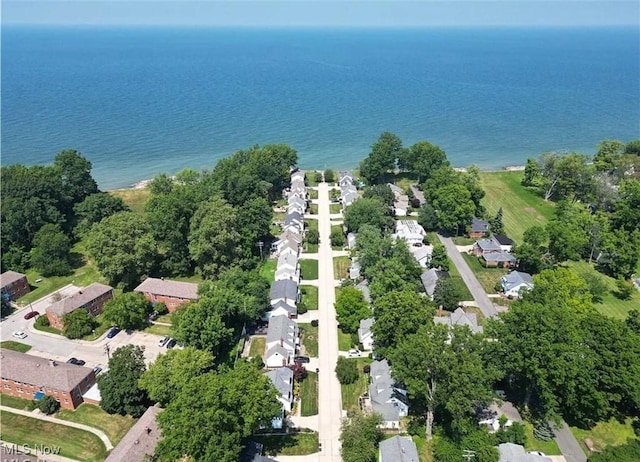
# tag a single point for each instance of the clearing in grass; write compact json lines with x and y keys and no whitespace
{"x":309,"y":395}
{"x":135,"y":199}
{"x":341,"y":267}
{"x":309,"y":339}
{"x":309,"y":269}
{"x":292,"y":444}
{"x":310,"y":297}
{"x":115,"y":426}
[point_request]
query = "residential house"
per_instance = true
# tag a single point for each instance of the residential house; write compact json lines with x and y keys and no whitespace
{"x":290,"y":247}
{"x":171,"y":293}
{"x":478,"y":227}
{"x":398,"y":449}
{"x":401,"y":206}
{"x":460,"y":318}
{"x":139,"y":444}
{"x":282,"y":340}
{"x":490,"y":251}
{"x":285,"y":290}
{"x":396,"y":190}
{"x":294,"y":219}
{"x":354,"y":269}
{"x":287,"y":267}
{"x":282,"y":379}
{"x":506,"y":244}
{"x":430,"y":278}
{"x":514,"y":283}
{"x":418,"y":194}
{"x":365,"y":336}
{"x":363,"y":287}
{"x":510,"y":452}
{"x":385,"y":397}
{"x":348,"y":196}
{"x":91,"y":299}
{"x":410,"y":231}
{"x":422,"y":254}
{"x":297,"y":176}
{"x":351,"y":241}
{"x":32,"y":377}
{"x":281,"y":308}
{"x":345,"y":178}
{"x":484,"y":246}
{"x":13,"y":285}
{"x":490,"y":416}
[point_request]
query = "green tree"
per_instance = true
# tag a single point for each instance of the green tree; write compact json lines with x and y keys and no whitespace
{"x":172,"y":371}
{"x":7,"y":309}
{"x":346,"y":370}
{"x":119,"y":387}
{"x":633,"y":321}
{"x":382,"y":192}
{"x":48,"y":405}
{"x":200,"y":325}
{"x":329,"y":176}
{"x":628,"y":452}
{"x":446,"y":294}
{"x":382,"y":158}
{"x":360,"y":436}
{"x":50,"y":252}
{"x":123,"y":248}
{"x":337,"y":238}
{"x":569,"y":232}
{"x":254,"y":225}
{"x":77,"y":324}
{"x":531,"y":173}
{"x":632,"y":147}
{"x":423,"y":158}
{"x":351,"y":307}
{"x":444,"y":369}
{"x":598,"y":287}
{"x":532,"y":254}
{"x":496,"y":224}
{"x":561,"y":286}
{"x":214,"y":412}
{"x":454,"y":207}
{"x":621,"y":252}
{"x":427,"y":217}
{"x":369,"y":211}
{"x":129,"y":310}
{"x":75,"y":173}
{"x":313,"y":237}
{"x":439,"y":257}
{"x":94,"y":208}
{"x":608,"y":151}
{"x":214,"y":239}
{"x":627,"y":210}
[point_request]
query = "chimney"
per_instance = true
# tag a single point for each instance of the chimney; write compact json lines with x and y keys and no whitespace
{"x":52,"y":363}
{"x":281,"y":341}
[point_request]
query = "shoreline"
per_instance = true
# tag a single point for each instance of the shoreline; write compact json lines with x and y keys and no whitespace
{"x":142,"y":184}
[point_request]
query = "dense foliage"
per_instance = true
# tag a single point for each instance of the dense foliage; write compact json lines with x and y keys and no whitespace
{"x":360,"y":436}
{"x":129,"y":310}
{"x":119,"y":387}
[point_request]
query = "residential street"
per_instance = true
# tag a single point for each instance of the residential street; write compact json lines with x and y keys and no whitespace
{"x":479,"y":295}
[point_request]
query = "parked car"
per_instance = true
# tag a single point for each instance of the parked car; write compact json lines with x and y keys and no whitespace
{"x":353,"y":354}
{"x":76,"y":361}
{"x":171,"y":343}
{"x":97,"y":370}
{"x":113,"y":332}
{"x":163,"y":341}
{"x":31,"y":314}
{"x":19,"y":334}
{"x":302,"y":359}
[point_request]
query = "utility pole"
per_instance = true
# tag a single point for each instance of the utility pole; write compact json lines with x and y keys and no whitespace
{"x":107,"y":351}
{"x":260,"y":245}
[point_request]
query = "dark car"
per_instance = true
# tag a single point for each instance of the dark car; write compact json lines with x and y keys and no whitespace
{"x":76,"y":361}
{"x":31,"y":314}
{"x":302,"y":359}
{"x":113,"y":332}
{"x":171,"y":343}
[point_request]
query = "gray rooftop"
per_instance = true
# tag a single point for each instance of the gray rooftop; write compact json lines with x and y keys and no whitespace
{"x":397,"y":190}
{"x":293,"y":217}
{"x":365,"y":326}
{"x":282,"y":379}
{"x":479,"y":226}
{"x":514,"y":279}
{"x":398,"y":449}
{"x":282,"y":328}
{"x":499,"y":257}
{"x":178,"y":289}
{"x":430,"y":278}
{"x":460,"y":318}
{"x":418,"y":194}
{"x":41,"y":372}
{"x":363,"y":287}
{"x":510,"y":452}
{"x":291,"y":309}
{"x":140,"y":441}
{"x":287,"y":259}
{"x":489,"y":245}
{"x":382,"y":389}
{"x":9,"y":277}
{"x":80,"y":298}
{"x":284,"y":289}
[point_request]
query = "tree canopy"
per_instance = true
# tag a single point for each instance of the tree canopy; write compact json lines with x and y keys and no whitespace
{"x":127,"y":311}
{"x":119,"y":387}
{"x":351,"y":308}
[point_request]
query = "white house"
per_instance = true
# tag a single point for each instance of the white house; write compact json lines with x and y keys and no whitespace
{"x":282,"y":340}
{"x":514,"y":283}
{"x":365,"y":336}
{"x":422,"y":254}
{"x":460,"y":318}
{"x":345,"y":178}
{"x":284,"y":290}
{"x":384,"y":397}
{"x":282,"y":379}
{"x":506,"y":244}
{"x":298,"y":175}
{"x":281,"y":308}
{"x":287,"y":267}
{"x":410,"y":231}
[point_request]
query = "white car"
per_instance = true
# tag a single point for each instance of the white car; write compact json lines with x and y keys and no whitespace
{"x":353,"y":354}
{"x":19,"y":334}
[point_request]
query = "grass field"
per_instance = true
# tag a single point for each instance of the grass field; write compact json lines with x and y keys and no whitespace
{"x":158,"y":329}
{"x":533,"y":444}
{"x":456,"y":279}
{"x":136,"y":199}
{"x":49,"y":329}
{"x":115,"y":426}
{"x":313,"y":193}
{"x":337,"y":229}
{"x":268,"y":270}
{"x":258,"y":344}
{"x":310,"y":297}
{"x":522,"y":207}
{"x":611,"y":433}
{"x":341,"y":267}
{"x":488,"y":277}
{"x":310,"y":178}
{"x":16,"y":403}
{"x":335,"y":208}
{"x":295,"y":444}
{"x":73,"y":443}
{"x":309,"y":339}
{"x":15,"y":346}
{"x":611,"y":305}
{"x":168,"y":318}
{"x":310,"y":248}
{"x":309,"y":269}
{"x":351,"y":392}
{"x":344,"y":341}
{"x":313,"y":209}
{"x":309,"y":395}
{"x":311,"y":224}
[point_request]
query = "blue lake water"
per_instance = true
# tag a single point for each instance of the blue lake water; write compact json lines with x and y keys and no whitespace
{"x":138,"y":101}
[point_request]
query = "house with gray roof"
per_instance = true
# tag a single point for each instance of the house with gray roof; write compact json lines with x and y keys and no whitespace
{"x":385,"y":397}
{"x":485,"y":246}
{"x":294,"y":218}
{"x":297,"y":175}
{"x":396,"y":190}
{"x":430,"y":278}
{"x":282,"y":379}
{"x":140,"y":441}
{"x":365,"y":336}
{"x":398,"y":449}
{"x":514,"y":283}
{"x":354,"y":269}
{"x":506,"y":243}
{"x":91,"y":298}
{"x":345,"y":178}
{"x":287,"y":267}
{"x":281,"y":308}
{"x":401,"y":205}
{"x":460,"y":318}
{"x":510,"y":452}
{"x":348,"y":196}
{"x":284,"y":290}
{"x":478,"y":227}
{"x":418,"y":194}
{"x":499,"y":260}
{"x":282,"y":340}
{"x":411,"y":231}
{"x":363,"y":287}
{"x":289,"y":246}
{"x":351,"y":241}
{"x":422,"y":254}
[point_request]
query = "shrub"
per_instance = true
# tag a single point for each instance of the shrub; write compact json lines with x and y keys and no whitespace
{"x":624,"y":289}
{"x":313,"y":237}
{"x":514,"y":434}
{"x":302,"y":307}
{"x":337,"y":238}
{"x":314,"y":323}
{"x":346,"y":370}
{"x":317,"y":176}
{"x":78,"y":324}
{"x":329,"y":176}
{"x":42,"y":321}
{"x":48,"y":405}
{"x":366,"y":369}
{"x":257,"y":360}
{"x":161,"y":308}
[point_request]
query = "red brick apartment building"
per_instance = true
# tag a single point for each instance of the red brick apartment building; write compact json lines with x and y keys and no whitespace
{"x":91,"y":298}
{"x":14,"y":285}
{"x":171,"y":293}
{"x":24,"y":376}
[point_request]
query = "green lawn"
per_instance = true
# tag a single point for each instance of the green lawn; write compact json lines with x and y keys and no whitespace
{"x":313,"y":209}
{"x":309,"y":395}
{"x":297,"y":444}
{"x":611,"y":305}
{"x":167,"y":318}
{"x":457,"y":281}
{"x":313,"y":193}
{"x":488,"y":277}
{"x":136,"y":199}
{"x":341,"y":267}
{"x":522,"y":207}
{"x":268,"y":270}
{"x":49,"y":329}
{"x":115,"y":426}
{"x":533,"y":444}
{"x":309,"y":340}
{"x":17,"y":403}
{"x":462,"y":240}
{"x":310,"y":297}
{"x":15,"y":346}
{"x":344,"y":341}
{"x":311,"y":224}
{"x":73,"y":443}
{"x":611,"y":433}
{"x":158,"y":329}
{"x":335,"y":208}
{"x":309,"y":269}
{"x":258,"y":344}
{"x":310,"y":178}
{"x":310,"y":248}
{"x":196,"y":278}
{"x":352,"y":392}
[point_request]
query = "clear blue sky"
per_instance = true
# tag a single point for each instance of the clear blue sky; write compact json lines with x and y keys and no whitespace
{"x":303,"y":13}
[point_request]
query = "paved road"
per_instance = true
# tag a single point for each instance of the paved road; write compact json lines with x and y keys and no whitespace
{"x":36,"y":415}
{"x":479,"y":295}
{"x":329,"y":395}
{"x":568,"y":444}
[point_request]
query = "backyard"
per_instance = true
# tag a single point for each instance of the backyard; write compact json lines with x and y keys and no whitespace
{"x":293,"y":444}
{"x":114,"y":425}
{"x":258,"y":344}
{"x":309,"y":269}
{"x":487,"y":277}
{"x":309,"y":339}
{"x":611,"y":433}
{"x":335,"y":208}
{"x":310,"y":297}
{"x":268,"y":270}
{"x":341,"y":267}
{"x":351,"y":392}
{"x":309,"y":395}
